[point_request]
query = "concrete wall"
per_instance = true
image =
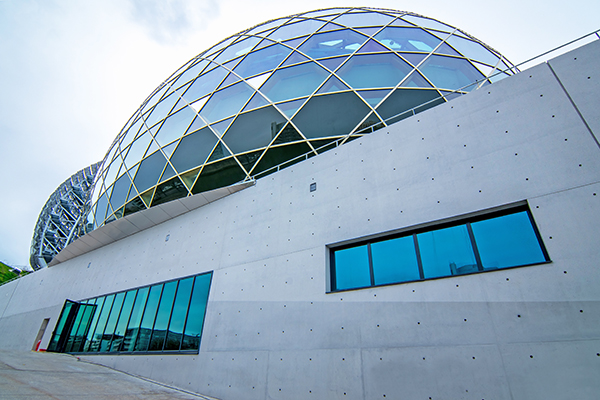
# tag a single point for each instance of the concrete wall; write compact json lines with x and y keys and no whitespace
{"x":273,"y":332}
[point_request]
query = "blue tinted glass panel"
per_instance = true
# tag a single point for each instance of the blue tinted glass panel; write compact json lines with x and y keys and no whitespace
{"x":297,"y":29}
{"x":450,"y":73}
{"x":121,"y":327}
{"x":175,"y":126}
{"x":134,"y":322}
{"x":119,"y":193}
{"x":88,"y":342}
{"x":195,"y":317}
{"x":352,"y":268}
{"x":363,"y":19}
{"x":507,"y":241}
{"x":333,"y":43}
{"x":254,"y":129}
{"x":374,"y":71}
{"x":238,"y":49}
{"x":147,"y":323}
{"x":161,"y":109}
{"x":395,"y":260}
{"x":162,"y":317}
{"x":263,"y":60}
{"x":407,"y":39}
{"x":97,"y":337}
{"x":149,"y":171}
{"x":472,"y":50}
{"x":180,"y":308}
{"x":297,"y":81}
{"x":112,"y":322}
{"x":226,"y":102}
{"x":205,"y":84}
{"x":190,"y":73}
{"x":137,"y":149}
{"x":446,"y":252}
{"x":193,"y":150}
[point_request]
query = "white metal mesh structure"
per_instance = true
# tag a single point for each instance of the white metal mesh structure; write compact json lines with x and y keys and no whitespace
{"x":279,"y":90}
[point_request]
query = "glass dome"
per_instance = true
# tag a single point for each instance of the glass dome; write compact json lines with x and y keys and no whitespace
{"x":281,"y":89}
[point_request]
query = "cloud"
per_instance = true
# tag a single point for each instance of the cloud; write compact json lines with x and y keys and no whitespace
{"x":169,"y":21}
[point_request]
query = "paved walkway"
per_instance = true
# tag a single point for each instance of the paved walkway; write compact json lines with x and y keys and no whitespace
{"x":26,"y":375}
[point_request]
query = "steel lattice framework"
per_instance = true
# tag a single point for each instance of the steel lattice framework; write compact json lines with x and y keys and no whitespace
{"x":281,"y":89}
{"x":60,"y":221}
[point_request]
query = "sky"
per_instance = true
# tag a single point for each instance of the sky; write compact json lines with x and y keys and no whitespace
{"x":72,"y":72}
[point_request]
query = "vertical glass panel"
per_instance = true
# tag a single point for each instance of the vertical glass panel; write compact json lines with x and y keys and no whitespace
{"x":195,"y":317}
{"x":97,"y":338}
{"x":352,"y":268}
{"x":78,"y":329}
{"x":88,"y":341}
{"x":175,"y":126}
{"x":374,"y":71}
{"x":180,"y":308}
{"x":333,"y":43}
{"x":407,"y":39}
{"x":149,"y":171}
{"x":121,"y":326}
{"x":297,"y":81}
{"x":148,"y":320}
{"x":450,"y":73}
{"x":226,"y":102}
{"x":253,"y":130}
{"x":507,"y":241}
{"x":395,"y":260}
{"x":446,"y":252}
{"x":112,"y":322}
{"x":320,"y":116}
{"x":162,"y":317}
{"x":134,"y":321}
{"x":60,"y":326}
{"x":205,"y":84}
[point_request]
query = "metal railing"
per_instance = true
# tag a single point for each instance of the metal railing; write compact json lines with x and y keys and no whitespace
{"x":415,"y":110}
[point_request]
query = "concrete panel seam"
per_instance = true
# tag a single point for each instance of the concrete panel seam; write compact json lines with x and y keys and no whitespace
{"x":10,"y":299}
{"x":564,"y":190}
{"x":573,"y":104}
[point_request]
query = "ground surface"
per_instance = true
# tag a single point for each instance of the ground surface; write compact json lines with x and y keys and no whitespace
{"x":30,"y":376}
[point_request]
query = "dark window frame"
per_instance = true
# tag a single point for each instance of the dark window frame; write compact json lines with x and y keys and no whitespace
{"x":466,"y":220}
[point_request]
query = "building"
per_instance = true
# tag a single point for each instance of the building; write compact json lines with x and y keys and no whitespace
{"x":491,"y":199}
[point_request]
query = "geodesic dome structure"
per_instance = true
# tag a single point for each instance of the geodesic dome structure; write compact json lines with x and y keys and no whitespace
{"x":279,"y":90}
{"x":60,"y":221}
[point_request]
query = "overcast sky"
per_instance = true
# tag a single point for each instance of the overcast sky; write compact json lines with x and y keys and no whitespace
{"x":72,"y":72}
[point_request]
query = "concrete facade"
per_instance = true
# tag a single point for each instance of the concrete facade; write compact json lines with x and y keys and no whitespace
{"x":273,"y":330}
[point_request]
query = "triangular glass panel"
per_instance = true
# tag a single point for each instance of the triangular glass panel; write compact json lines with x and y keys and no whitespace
{"x":220,"y":151}
{"x":189,"y":178}
{"x":256,"y":102}
{"x":485,"y":69}
{"x":147,"y":197}
{"x":332,"y":63}
{"x":169,"y":173}
{"x":132,"y":193}
{"x":400,"y":22}
{"x":295,"y":58}
{"x":133,"y":170}
{"x":288,"y":134}
{"x":219,"y":174}
{"x":197,"y":124}
{"x":428,"y":23}
{"x":231,"y":64}
{"x":257,"y":81}
{"x":168,"y":191}
{"x":289,"y":108}
{"x":168,"y":150}
{"x":445,"y":49}
{"x":415,"y":80}
{"x":294,"y":42}
{"x":369,"y":31}
{"x":153,"y":147}
{"x":265,"y":42}
{"x":231,"y":79}
{"x":370,"y":124}
{"x":249,"y":159}
{"x":267,"y":26}
{"x":197,"y":105}
{"x":293,"y":30}
{"x":222,"y":126}
{"x":330,"y":27}
{"x":413,"y":58}
{"x":373,"y":97}
{"x":333,"y":84}
{"x":372,"y":46}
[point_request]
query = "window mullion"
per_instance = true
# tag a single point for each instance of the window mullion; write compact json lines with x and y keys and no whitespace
{"x":370,"y":257}
{"x":419,"y":262}
{"x":474,"y":246}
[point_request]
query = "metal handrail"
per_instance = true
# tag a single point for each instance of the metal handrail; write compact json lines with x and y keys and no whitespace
{"x":461,"y":91}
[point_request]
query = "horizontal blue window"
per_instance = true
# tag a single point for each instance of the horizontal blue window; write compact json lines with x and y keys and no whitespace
{"x":496,"y":240}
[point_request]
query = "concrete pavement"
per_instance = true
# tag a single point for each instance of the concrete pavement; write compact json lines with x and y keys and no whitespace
{"x":26,"y":375}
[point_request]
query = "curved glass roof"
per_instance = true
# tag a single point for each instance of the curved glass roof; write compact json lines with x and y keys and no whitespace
{"x":279,"y":90}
